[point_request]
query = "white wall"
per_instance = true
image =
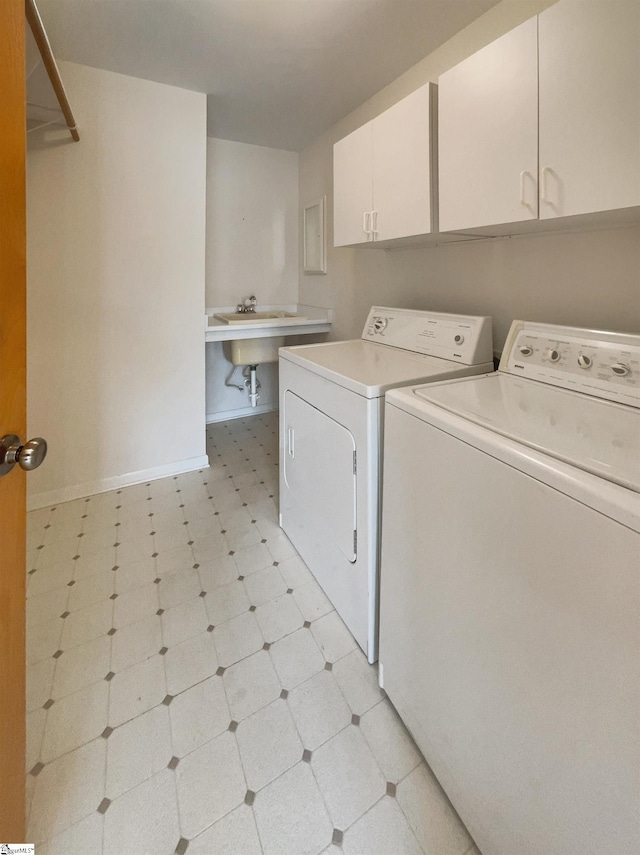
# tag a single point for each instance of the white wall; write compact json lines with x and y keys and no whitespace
{"x":252,"y":248}
{"x":116,"y":275}
{"x":590,"y":279}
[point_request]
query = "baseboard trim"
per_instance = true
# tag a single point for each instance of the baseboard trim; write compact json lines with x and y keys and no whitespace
{"x":92,"y":488}
{"x":228,"y":415}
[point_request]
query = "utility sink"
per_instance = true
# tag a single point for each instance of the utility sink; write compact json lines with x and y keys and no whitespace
{"x":252,"y":317}
{"x":256,"y":351}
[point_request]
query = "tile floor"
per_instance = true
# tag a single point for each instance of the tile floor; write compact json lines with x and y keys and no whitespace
{"x":191,"y":689}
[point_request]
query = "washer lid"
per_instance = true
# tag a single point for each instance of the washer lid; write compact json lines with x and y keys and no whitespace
{"x":372,"y":369}
{"x":594,"y":435}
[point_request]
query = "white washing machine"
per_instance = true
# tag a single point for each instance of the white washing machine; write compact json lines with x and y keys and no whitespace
{"x":510,"y":598}
{"x":331,"y":411}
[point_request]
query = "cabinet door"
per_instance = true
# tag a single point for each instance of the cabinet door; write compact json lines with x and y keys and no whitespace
{"x":401,"y":168}
{"x":352,"y":189}
{"x":488,"y":134}
{"x":589,"y":107}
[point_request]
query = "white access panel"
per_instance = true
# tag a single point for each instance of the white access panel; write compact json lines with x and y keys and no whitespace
{"x":589,"y":107}
{"x":319,"y":470}
{"x":509,"y":634}
{"x":488,"y":134}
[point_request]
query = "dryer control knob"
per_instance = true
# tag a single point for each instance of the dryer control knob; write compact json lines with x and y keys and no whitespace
{"x":584,"y":361}
{"x":620,"y":369}
{"x":553,"y":354}
{"x":525,"y":350}
{"x":380,"y":324}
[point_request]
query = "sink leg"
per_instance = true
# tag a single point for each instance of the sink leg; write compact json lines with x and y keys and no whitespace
{"x":253,"y":386}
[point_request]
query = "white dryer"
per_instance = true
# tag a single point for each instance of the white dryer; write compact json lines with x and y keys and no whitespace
{"x":331,"y":411}
{"x":510,"y":599}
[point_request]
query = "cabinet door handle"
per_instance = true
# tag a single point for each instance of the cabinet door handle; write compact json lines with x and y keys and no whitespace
{"x":522,"y":199}
{"x":374,"y":222}
{"x":366,"y":223}
{"x":543,"y":189}
{"x":291,"y":442}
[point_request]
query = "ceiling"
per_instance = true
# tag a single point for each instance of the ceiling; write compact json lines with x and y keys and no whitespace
{"x":277,"y":72}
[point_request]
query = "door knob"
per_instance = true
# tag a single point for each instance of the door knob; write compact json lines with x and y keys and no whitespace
{"x":28,"y":456}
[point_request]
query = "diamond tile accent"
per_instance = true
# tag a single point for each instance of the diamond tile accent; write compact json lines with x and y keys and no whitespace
{"x":233,"y":726}
{"x":37,"y":769}
{"x":157,"y":580}
{"x":72,"y":582}
{"x":306,"y":755}
{"x":104,"y":805}
{"x":113,"y":597}
{"x":240,"y":578}
{"x":337,"y":837}
{"x":154,"y":554}
{"x":163,"y":650}
{"x":48,"y":704}
{"x":328,"y":666}
{"x":284,"y":694}
{"x":202,"y":594}
{"x":115,"y":567}
{"x":173,"y":763}
{"x":391,"y":789}
{"x":106,"y":733}
{"x":306,"y":624}
{"x":252,"y":608}
{"x":195,"y":566}
{"x":109,"y":676}
{"x":160,"y":612}
{"x":276,"y":564}
{"x":57,"y":654}
{"x":167,"y":700}
{"x":266,"y":645}
{"x":112,"y":631}
{"x":264,"y":540}
{"x":65,"y":614}
{"x":182,"y":846}
{"x":210,"y":628}
{"x":249,"y":797}
{"x":220,"y":671}
{"x":289,"y":590}
{"x":355,"y":719}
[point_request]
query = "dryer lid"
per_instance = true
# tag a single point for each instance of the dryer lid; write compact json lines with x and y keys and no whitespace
{"x":372,"y":369}
{"x":597,"y":436}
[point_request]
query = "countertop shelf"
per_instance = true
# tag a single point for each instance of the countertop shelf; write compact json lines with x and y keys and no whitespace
{"x":314,"y":320}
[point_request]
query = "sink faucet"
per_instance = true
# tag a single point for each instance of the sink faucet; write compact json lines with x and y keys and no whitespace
{"x":247,"y":305}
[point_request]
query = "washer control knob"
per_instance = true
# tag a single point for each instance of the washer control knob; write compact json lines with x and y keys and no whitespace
{"x":584,"y":361}
{"x":553,"y":354}
{"x":459,"y":339}
{"x":380,"y":324}
{"x":620,"y":369}
{"x":525,"y":350}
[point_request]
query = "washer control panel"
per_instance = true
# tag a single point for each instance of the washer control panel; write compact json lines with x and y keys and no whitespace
{"x":459,"y":338}
{"x":604,"y":364}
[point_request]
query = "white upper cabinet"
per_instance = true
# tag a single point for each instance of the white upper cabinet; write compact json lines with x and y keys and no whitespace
{"x":353,"y":187}
{"x":488,"y":134}
{"x":544,"y":122}
{"x":589,"y":107}
{"x":382,"y":174}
